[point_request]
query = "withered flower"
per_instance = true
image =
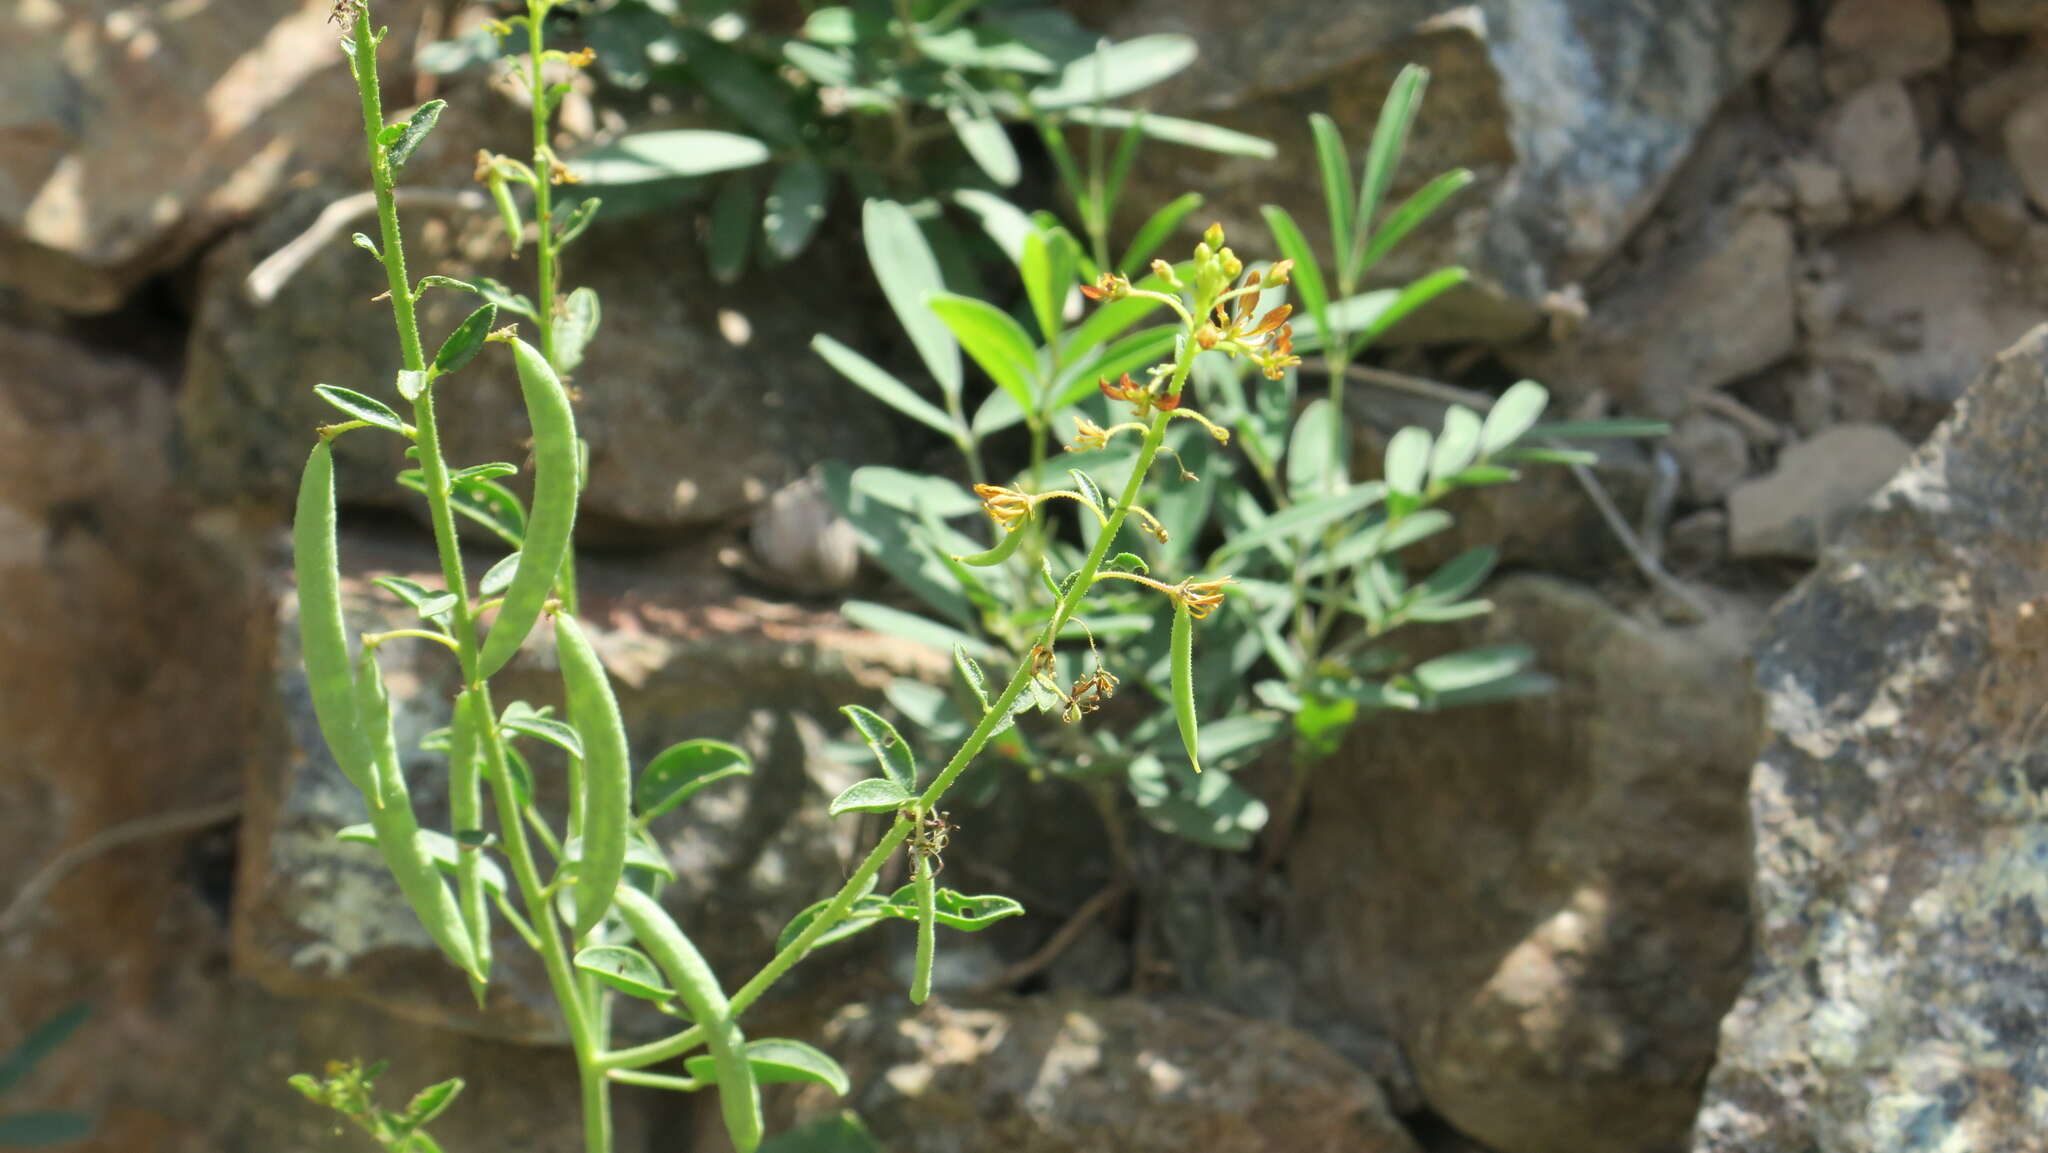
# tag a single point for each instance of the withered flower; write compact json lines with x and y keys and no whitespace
{"x":1005,"y":506}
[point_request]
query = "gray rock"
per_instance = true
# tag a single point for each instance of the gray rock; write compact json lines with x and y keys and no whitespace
{"x":1940,"y":185}
{"x":1713,"y":453}
{"x":1574,"y":115}
{"x":1894,"y":1000}
{"x":2026,"y":146}
{"x":1797,"y":507}
{"x":1993,"y":208}
{"x":1873,"y":138}
{"x":1543,"y":901}
{"x":800,"y":541}
{"x":1715,"y":310}
{"x":1820,"y":193}
{"x":1071,"y":1074}
{"x":1869,"y":40}
{"x":136,"y":132}
{"x":686,"y":425}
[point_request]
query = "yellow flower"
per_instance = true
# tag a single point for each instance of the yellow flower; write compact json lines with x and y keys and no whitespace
{"x":1201,"y":597}
{"x":1005,"y":506}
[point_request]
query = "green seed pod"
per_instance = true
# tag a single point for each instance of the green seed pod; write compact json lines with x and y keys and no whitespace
{"x":927,"y":931}
{"x":553,"y":519}
{"x":397,"y":829}
{"x":508,"y":211}
{"x":607,"y":784}
{"x":323,"y":637}
{"x":1184,"y":677}
{"x":996,"y":555}
{"x":466,"y":813}
{"x":739,"y":1096}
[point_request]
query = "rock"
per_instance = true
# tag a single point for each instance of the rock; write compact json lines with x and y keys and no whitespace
{"x":1591,"y":843}
{"x":134,"y":133}
{"x":1993,"y":208}
{"x":1697,"y":544}
{"x":1982,"y":107}
{"x":2026,"y":135}
{"x":1820,"y":193}
{"x":1570,"y":156}
{"x":2012,"y":15}
{"x":1869,"y":40}
{"x":686,"y":426}
{"x":1940,"y":185}
{"x":1717,"y":310}
{"x":1073,"y":1074}
{"x":801,"y":542}
{"x":1799,"y":506}
{"x":1873,"y":138}
{"x":125,"y":681}
{"x":1920,"y":310}
{"x":1793,"y":86}
{"x":1896,"y":810}
{"x":1713,"y":453}
{"x":690,"y":658}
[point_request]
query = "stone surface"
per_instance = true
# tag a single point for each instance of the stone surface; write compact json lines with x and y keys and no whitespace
{"x":134,"y":132}
{"x":1716,"y":309}
{"x":2012,"y":15}
{"x":687,"y":424}
{"x":1941,"y":183}
{"x":1713,"y":453}
{"x":1799,"y":505}
{"x":126,"y":674}
{"x":1897,"y":810}
{"x":1873,"y":138}
{"x":2026,"y":146}
{"x":1574,"y":115}
{"x":1993,"y":207}
{"x":318,"y":917}
{"x":800,"y":541}
{"x":1820,"y":194}
{"x":1867,"y":40}
{"x":1072,"y":1074}
{"x":1543,"y":901}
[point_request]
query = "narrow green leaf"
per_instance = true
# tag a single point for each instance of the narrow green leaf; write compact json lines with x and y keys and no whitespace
{"x":1512,"y":415}
{"x":1087,"y":487}
{"x":1473,"y":667}
{"x":795,"y":207}
{"x":910,"y":626}
{"x":416,"y":129}
{"x":572,"y":217}
{"x":1619,"y":428}
{"x":878,"y":383}
{"x":996,"y":342}
{"x":1174,"y":130}
{"x":1457,"y":577}
{"x":1389,"y":140}
{"x":954,"y":910}
{"x":874,"y":795}
{"x":970,"y":672}
{"x":679,"y":771}
{"x":1307,"y":278}
{"x":734,"y":221}
{"x":984,"y":138}
{"x":1116,"y":70}
{"x":1414,"y":295}
{"x":627,"y":970}
{"x":363,"y":408}
{"x":891,"y":751}
{"x":778,"y":1061}
{"x":1412,"y":213}
{"x":466,"y":341}
{"x":431,"y":604}
{"x":1005,"y":223}
{"x":498,"y":576}
{"x":431,"y":1101}
{"x":521,"y":721}
{"x":1335,"y":166}
{"x":666,"y":155}
{"x":1313,"y":466}
{"x":909,"y":274}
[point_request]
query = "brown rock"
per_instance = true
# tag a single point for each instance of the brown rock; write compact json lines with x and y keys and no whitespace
{"x":1713,"y":453}
{"x":2026,"y":146}
{"x":1548,"y":894}
{"x":1896,"y":810}
{"x":134,"y":132}
{"x":1870,"y":40}
{"x":1982,"y":107}
{"x":2012,"y":15}
{"x":1068,"y":1074}
{"x":1940,"y":185}
{"x":1820,"y":194}
{"x":1873,"y":138}
{"x":1801,"y":504}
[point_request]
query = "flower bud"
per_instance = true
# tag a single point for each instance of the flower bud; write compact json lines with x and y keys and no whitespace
{"x":1214,"y":236}
{"x":1277,"y":274}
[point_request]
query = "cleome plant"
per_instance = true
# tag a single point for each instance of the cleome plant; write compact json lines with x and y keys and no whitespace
{"x":1263,"y":487}
{"x":582,"y":888}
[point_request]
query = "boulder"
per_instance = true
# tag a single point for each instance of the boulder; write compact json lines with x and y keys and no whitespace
{"x":1799,"y":505}
{"x":1542,"y":901}
{"x":2026,"y":138}
{"x":1074,"y":1074}
{"x":1874,"y":139}
{"x":691,"y":418}
{"x":1574,"y":116}
{"x":1893,"y":1001}
{"x":136,"y":132}
{"x":1867,"y":40}
{"x":1700,"y":315}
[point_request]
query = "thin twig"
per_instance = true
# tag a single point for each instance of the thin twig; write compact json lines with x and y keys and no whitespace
{"x":268,"y":278}
{"x":106,"y":841}
{"x":1103,"y":901}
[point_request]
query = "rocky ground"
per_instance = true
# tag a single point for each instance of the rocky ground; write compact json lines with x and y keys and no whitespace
{"x":1756,"y":879}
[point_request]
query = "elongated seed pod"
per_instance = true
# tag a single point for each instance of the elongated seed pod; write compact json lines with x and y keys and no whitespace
{"x":466,"y":813}
{"x":1184,"y":678}
{"x":927,"y":930}
{"x":323,"y":637}
{"x":553,"y":519}
{"x":607,"y":784}
{"x":739,"y":1096}
{"x":398,"y":830}
{"x":995,"y":555}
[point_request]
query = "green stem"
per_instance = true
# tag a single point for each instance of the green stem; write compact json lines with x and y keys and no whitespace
{"x":543,"y":185}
